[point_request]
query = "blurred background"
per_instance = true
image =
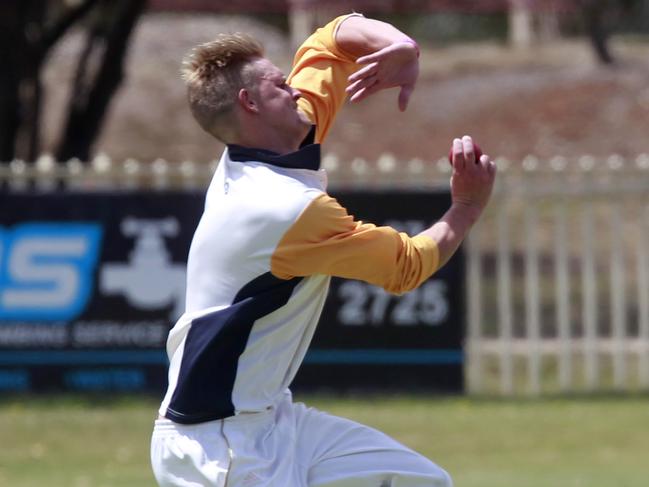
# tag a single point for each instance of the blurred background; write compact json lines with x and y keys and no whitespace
{"x":524,"y":362}
{"x":543,"y":77}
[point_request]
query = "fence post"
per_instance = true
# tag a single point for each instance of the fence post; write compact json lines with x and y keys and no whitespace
{"x":562,"y":296}
{"x":589,"y":301}
{"x":474,"y":277}
{"x":618,"y":299}
{"x":505,"y":301}
{"x":643,"y":302}
{"x":532,"y":300}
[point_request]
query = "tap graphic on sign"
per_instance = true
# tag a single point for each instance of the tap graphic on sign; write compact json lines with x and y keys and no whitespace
{"x":150,"y":280}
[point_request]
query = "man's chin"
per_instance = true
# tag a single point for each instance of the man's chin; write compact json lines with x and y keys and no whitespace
{"x":305,"y":125}
{"x":304,"y":118}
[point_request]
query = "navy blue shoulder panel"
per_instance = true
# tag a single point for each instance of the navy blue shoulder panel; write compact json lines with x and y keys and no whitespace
{"x":213,"y":346}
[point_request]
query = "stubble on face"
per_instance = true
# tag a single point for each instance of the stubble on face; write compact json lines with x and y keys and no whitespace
{"x":279,"y":105}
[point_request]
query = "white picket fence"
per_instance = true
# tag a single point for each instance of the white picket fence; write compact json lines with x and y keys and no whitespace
{"x":557,"y":269}
{"x":558,"y":280}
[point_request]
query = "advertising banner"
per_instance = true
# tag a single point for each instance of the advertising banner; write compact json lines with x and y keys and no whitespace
{"x":368,"y":338}
{"x":90,"y":284}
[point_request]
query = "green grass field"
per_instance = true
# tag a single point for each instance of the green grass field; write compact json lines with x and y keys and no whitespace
{"x":567,"y":442}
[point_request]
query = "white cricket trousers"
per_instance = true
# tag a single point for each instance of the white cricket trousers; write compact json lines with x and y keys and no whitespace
{"x":289,"y":445}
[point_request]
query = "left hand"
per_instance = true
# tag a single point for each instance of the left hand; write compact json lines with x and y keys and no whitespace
{"x":396,"y":65}
{"x":472,"y":179}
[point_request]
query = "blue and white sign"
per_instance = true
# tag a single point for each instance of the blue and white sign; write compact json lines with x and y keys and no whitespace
{"x":47,"y":270}
{"x":90,"y":284}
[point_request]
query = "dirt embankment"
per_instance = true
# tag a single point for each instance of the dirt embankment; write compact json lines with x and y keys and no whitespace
{"x":548,"y":101}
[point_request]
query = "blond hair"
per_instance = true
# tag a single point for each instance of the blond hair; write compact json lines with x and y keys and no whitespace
{"x":214,"y":73}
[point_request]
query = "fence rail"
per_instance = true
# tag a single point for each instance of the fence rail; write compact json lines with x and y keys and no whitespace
{"x":558,"y":267}
{"x":385,"y":172}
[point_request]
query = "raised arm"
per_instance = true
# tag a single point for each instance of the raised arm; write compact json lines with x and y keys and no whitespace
{"x":351,"y":56}
{"x":390,"y":58}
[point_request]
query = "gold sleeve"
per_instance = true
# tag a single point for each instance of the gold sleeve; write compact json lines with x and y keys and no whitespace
{"x":327,"y":240}
{"x":320,"y":72}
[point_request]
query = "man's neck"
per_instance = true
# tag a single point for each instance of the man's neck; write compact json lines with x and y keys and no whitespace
{"x":261,"y":136}
{"x":260,"y":142}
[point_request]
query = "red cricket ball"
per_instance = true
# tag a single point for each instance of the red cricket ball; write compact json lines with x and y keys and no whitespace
{"x":476,"y":150}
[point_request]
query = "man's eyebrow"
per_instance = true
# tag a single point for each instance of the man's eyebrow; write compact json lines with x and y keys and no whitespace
{"x":275,"y":77}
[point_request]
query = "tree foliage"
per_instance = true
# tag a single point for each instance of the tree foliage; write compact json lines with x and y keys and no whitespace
{"x":29,"y":29}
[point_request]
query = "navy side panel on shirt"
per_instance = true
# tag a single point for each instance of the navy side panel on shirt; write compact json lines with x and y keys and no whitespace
{"x":213,"y":346}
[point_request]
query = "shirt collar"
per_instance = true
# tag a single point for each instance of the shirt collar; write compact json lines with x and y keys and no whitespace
{"x":306,"y":157}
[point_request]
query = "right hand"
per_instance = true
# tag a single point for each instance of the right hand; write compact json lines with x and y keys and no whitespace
{"x":396,"y":65}
{"x":472,"y":180}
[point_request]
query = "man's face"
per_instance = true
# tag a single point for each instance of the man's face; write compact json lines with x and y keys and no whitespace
{"x":277,"y":103}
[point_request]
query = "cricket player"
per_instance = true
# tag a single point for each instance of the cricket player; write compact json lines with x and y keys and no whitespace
{"x":260,"y":262}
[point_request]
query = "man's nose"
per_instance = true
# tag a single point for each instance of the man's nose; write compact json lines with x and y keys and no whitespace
{"x":296,"y":94}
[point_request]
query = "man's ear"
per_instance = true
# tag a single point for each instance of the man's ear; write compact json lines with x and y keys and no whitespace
{"x":246,"y":101}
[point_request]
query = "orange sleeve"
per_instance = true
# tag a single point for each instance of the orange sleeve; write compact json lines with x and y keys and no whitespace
{"x":320,"y":72}
{"x":326,"y":240}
